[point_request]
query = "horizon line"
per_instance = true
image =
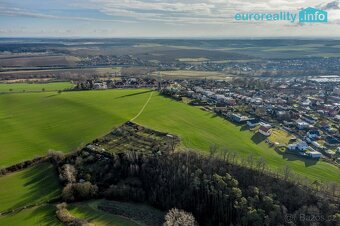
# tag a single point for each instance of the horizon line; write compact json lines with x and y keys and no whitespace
{"x":171,"y":38}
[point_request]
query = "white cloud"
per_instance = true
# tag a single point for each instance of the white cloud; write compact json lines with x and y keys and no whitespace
{"x":181,"y":18}
{"x":194,"y":11}
{"x":5,"y":11}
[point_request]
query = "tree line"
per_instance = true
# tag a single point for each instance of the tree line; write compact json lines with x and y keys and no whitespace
{"x":214,"y":190}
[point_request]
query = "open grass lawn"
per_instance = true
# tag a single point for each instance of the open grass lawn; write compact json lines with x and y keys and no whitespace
{"x":33,"y":185}
{"x":43,"y":215}
{"x":90,"y":212}
{"x":29,"y":87}
{"x":280,"y":136}
{"x":32,"y":123}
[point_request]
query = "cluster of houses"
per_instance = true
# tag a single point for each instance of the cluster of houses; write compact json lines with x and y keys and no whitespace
{"x":303,"y":149}
{"x":264,"y":128}
{"x":118,"y":82}
{"x":308,"y":109}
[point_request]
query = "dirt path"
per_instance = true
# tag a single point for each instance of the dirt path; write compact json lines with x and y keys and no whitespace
{"x":141,"y":110}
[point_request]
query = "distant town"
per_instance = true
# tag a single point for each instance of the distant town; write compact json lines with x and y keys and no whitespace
{"x":239,"y":66}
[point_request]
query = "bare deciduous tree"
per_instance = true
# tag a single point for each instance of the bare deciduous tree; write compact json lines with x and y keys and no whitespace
{"x":176,"y":217}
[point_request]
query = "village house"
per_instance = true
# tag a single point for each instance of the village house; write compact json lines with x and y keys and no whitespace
{"x":332,"y":141}
{"x":301,"y":125}
{"x":238,"y":118}
{"x":314,"y":154}
{"x":265,"y":130}
{"x":301,"y":146}
{"x":317,"y":145}
{"x":313,"y":134}
{"x":100,"y":85}
{"x":253,"y":122}
{"x":309,"y":119}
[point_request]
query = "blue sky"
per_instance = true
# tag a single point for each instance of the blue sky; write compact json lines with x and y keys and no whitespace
{"x":157,"y":18}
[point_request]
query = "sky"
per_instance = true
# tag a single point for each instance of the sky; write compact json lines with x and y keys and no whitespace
{"x":160,"y":18}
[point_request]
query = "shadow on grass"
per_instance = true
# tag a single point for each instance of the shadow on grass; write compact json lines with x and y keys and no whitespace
{"x":134,"y":94}
{"x":52,"y":95}
{"x":42,"y":215}
{"x":244,"y":128}
{"x":42,"y":184}
{"x":214,"y":116}
{"x":48,"y":215}
{"x":258,"y":138}
{"x":292,"y":157}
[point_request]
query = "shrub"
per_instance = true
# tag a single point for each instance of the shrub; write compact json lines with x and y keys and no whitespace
{"x":66,"y":217}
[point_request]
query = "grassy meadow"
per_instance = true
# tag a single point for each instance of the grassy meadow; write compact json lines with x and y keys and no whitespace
{"x":33,"y":123}
{"x":43,"y":215}
{"x":90,"y":211}
{"x":33,"y":87}
{"x":33,"y":185}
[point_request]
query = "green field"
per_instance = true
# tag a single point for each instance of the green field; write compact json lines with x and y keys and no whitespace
{"x":32,"y":123}
{"x":34,"y":185}
{"x":44,"y":215}
{"x":90,"y":212}
{"x":29,"y":87}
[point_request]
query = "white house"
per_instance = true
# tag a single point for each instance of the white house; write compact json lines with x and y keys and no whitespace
{"x":302,"y":124}
{"x":100,"y":85}
{"x":307,"y":102}
{"x":301,"y":146}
